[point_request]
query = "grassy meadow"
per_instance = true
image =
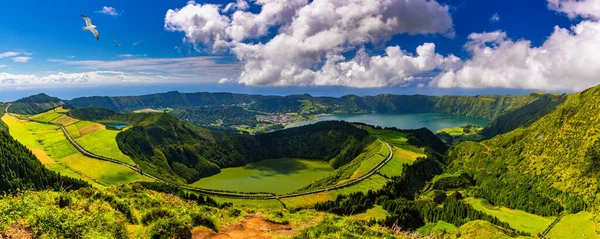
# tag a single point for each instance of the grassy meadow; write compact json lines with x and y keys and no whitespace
{"x":270,"y":175}
{"x":580,"y":225}
{"x":92,"y":136}
{"x":49,"y":144}
{"x":377,"y":213}
{"x":517,"y":219}
{"x":438,"y":226}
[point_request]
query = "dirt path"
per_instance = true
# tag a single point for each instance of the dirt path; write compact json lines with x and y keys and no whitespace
{"x":255,"y":226}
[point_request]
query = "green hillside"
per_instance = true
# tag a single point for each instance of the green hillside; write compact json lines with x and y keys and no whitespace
{"x":35,"y":104}
{"x":485,"y":106}
{"x":179,"y":150}
{"x":524,"y":116}
{"x":555,"y":157}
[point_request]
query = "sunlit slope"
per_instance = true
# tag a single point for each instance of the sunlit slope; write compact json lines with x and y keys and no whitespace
{"x":56,"y":153}
{"x":561,"y":149}
{"x":92,"y":136}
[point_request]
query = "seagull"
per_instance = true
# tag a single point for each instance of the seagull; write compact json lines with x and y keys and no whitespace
{"x":117,"y":44}
{"x":90,"y":26}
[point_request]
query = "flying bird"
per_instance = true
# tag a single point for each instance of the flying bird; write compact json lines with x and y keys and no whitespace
{"x":117,"y":44}
{"x":90,"y":26}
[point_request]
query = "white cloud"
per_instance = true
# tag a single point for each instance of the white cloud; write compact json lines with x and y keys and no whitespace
{"x":131,"y":55}
{"x":21,"y":59}
{"x":9,"y":54}
{"x":312,"y":38}
{"x":55,"y":60}
{"x":202,"y":24}
{"x":567,"y":60}
{"x":91,"y":77}
{"x":577,"y":8}
{"x":137,"y":43}
{"x":495,"y":18}
{"x":3,"y":66}
{"x":238,"y":5}
{"x":109,"y":11}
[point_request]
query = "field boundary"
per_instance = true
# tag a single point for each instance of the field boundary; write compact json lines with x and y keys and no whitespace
{"x":208,"y":191}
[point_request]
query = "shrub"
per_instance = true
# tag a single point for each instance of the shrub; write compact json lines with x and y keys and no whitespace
{"x":156,"y":214}
{"x":199,"y":220}
{"x":171,"y":228}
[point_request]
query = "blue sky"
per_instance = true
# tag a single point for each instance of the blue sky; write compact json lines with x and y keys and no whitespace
{"x":43,"y":47}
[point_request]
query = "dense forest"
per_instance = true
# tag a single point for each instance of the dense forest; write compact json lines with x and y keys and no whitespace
{"x":21,"y":170}
{"x":178,"y":150}
{"x":3,"y":125}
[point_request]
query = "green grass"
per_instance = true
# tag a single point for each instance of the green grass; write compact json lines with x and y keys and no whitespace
{"x":105,"y":173}
{"x":59,"y":155}
{"x":394,"y":167}
{"x":369,"y":163}
{"x":580,"y":225}
{"x":517,"y":219}
{"x":377,"y":213}
{"x":374,"y":182}
{"x":104,"y":143}
{"x":47,"y":116}
{"x":438,"y":226}
{"x":271,"y":175}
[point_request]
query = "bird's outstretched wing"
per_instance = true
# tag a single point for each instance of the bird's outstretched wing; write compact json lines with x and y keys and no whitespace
{"x":88,"y":21}
{"x":93,"y":30}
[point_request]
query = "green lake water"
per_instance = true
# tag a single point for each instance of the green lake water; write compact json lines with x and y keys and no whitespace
{"x":269,"y":175}
{"x":432,"y":121}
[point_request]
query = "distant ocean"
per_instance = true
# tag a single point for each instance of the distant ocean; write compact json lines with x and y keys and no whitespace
{"x":70,"y":92}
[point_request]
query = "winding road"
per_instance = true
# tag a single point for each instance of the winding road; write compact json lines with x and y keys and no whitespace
{"x":208,"y":191}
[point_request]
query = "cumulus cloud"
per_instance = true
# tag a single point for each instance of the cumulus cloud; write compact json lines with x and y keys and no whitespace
{"x":577,"y":8}
{"x":202,"y":24}
{"x":495,"y":18}
{"x":567,"y":60}
{"x":109,"y":11}
{"x":21,"y":59}
{"x":312,"y":38}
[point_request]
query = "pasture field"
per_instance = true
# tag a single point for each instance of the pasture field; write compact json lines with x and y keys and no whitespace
{"x":377,"y":212}
{"x":105,"y":173}
{"x":517,"y":219}
{"x":65,"y":120}
{"x":307,"y":200}
{"x":48,"y":115}
{"x":580,"y":225}
{"x":103,"y":142}
{"x":394,"y":167}
{"x":372,"y":183}
{"x":438,"y":226}
{"x":52,"y":148}
{"x":371,"y":162}
{"x":270,"y":175}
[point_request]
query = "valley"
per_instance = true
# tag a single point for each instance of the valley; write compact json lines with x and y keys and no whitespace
{"x":362,"y":176}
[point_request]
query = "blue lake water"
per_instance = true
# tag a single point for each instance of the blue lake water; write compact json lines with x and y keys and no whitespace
{"x":432,"y":121}
{"x":118,"y":126}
